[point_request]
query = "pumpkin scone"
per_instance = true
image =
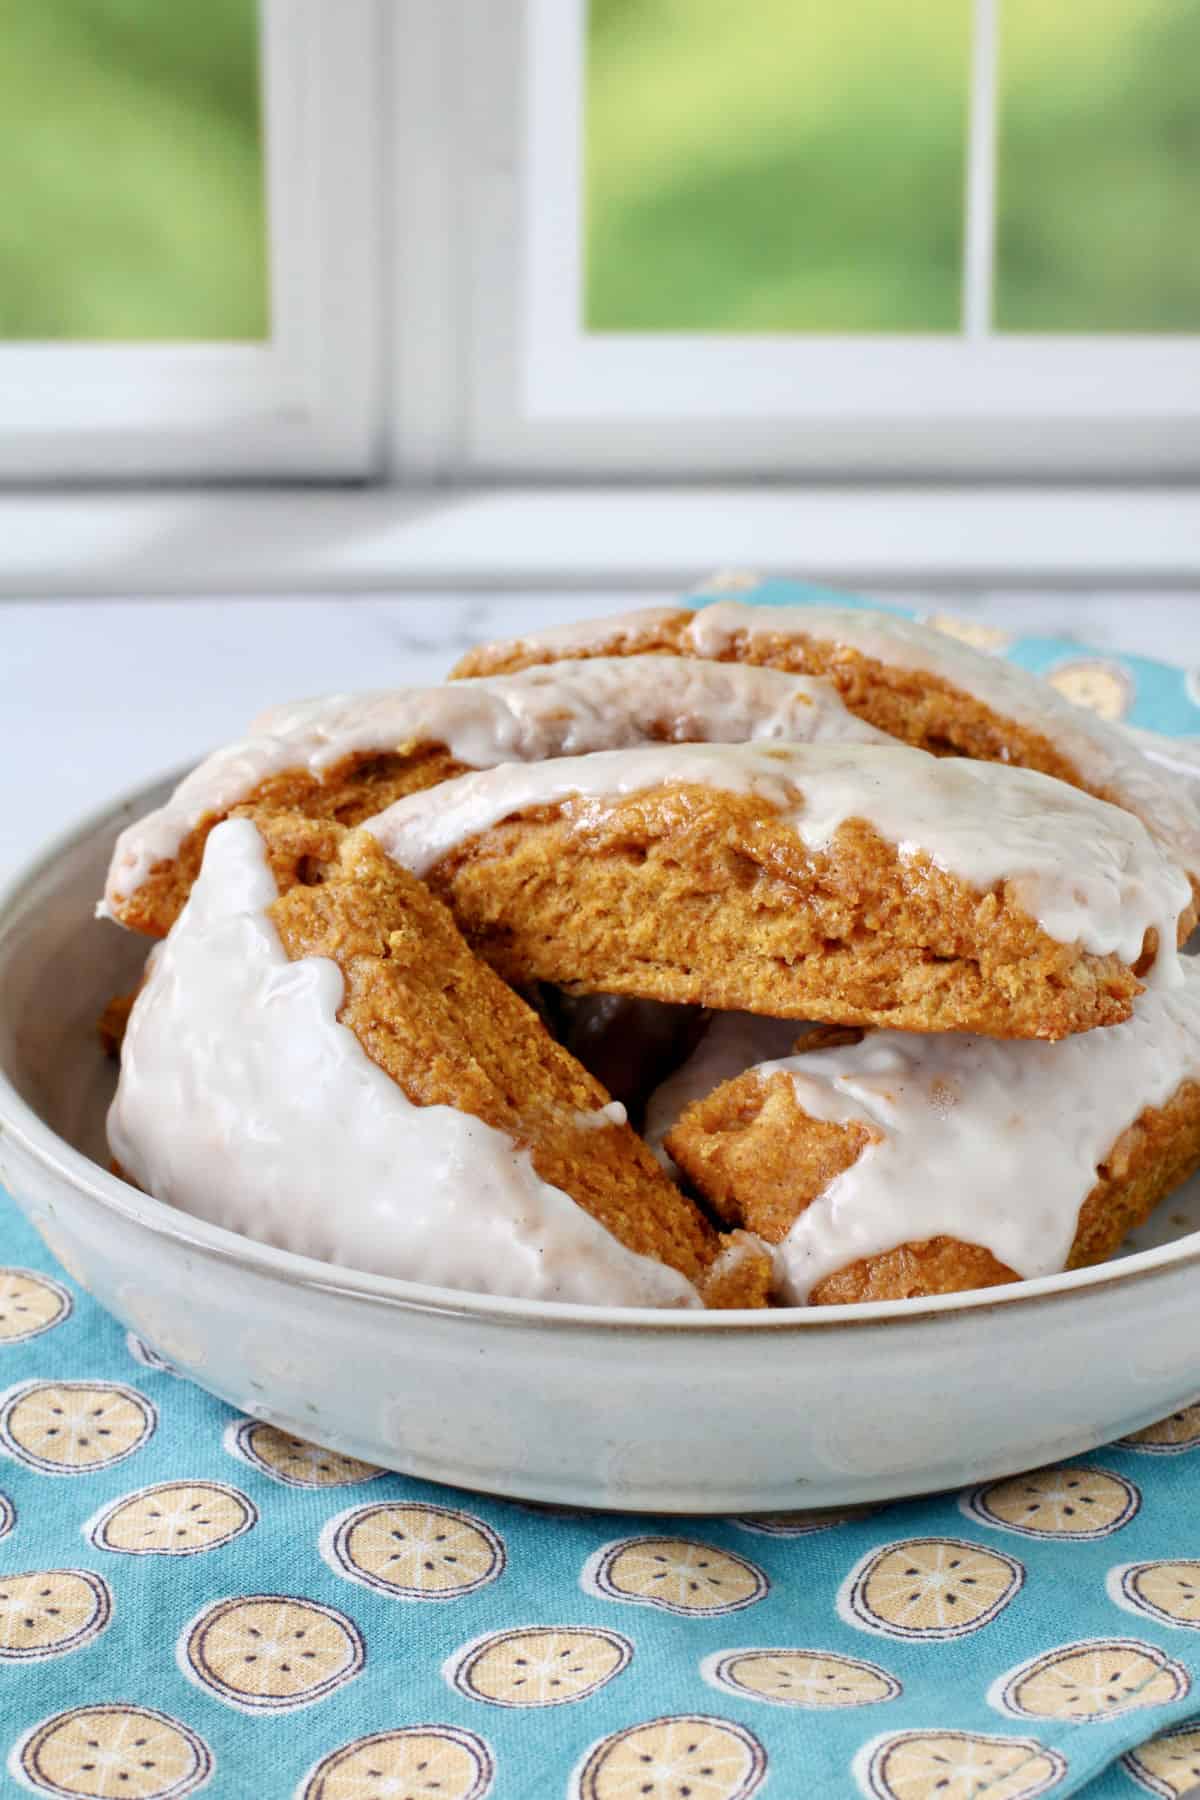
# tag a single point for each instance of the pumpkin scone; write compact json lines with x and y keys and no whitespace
{"x":347,"y":756}
{"x":884,"y":1166}
{"x":317,"y":1060}
{"x":854,"y":884}
{"x":910,"y":680}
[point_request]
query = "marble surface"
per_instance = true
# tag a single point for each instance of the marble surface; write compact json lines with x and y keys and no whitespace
{"x":97,"y":695}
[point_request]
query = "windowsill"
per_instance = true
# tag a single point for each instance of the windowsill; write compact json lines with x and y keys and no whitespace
{"x":60,"y":542}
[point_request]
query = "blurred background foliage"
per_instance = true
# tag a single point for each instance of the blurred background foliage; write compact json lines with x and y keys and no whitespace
{"x":786,"y":165}
{"x":131,"y":175}
{"x":775,"y":165}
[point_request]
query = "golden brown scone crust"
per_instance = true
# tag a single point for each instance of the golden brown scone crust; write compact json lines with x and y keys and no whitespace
{"x":914,"y":705}
{"x":450,"y":1033}
{"x":348,"y":792}
{"x":707,"y":897}
{"x":758,"y":1160}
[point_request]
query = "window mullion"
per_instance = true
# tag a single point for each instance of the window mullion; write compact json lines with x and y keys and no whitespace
{"x":979,"y":237}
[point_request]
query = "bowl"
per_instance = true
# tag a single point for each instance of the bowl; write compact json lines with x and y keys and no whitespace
{"x":574,"y":1405}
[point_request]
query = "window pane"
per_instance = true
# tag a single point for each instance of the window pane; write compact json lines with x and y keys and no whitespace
{"x":1099,"y":171}
{"x":131,"y":178}
{"x":775,"y":165}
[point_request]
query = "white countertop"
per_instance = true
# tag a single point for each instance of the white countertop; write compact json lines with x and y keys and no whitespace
{"x":97,"y":695}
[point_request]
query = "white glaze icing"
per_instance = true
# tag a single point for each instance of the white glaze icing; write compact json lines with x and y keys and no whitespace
{"x":1088,"y":872}
{"x":560,"y":710}
{"x":1103,"y":755}
{"x":992,"y":1143}
{"x":243,"y":1101}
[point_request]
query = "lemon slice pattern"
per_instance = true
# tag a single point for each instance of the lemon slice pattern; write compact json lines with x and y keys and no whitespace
{"x":270,"y":1652}
{"x":144,"y":1353}
{"x":800,"y":1524}
{"x":928,"y":1588}
{"x":30,"y":1303}
{"x":73,"y":1427}
{"x":413,"y":1552}
{"x":675,"y":1575}
{"x":1076,"y":1503}
{"x":1087,"y":1682}
{"x":292,"y":1460}
{"x":420,"y":1762}
{"x":1169,"y":1765}
{"x":1168,"y":1590}
{"x":1100,"y":687}
{"x":100,"y":1752}
{"x":956,"y":1765}
{"x":813,"y":1679}
{"x":173,"y":1518}
{"x":538,"y":1665}
{"x":51,"y":1611}
{"x":8,"y":1515}
{"x":1171,"y":1436}
{"x":690,"y":1754}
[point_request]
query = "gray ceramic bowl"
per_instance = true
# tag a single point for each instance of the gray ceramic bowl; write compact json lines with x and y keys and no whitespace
{"x":587,"y":1406}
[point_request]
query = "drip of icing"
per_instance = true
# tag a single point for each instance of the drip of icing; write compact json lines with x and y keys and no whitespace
{"x":1088,"y":872}
{"x":228,"y":1043}
{"x":538,"y":713}
{"x":992,"y":1143}
{"x":1102,"y":754}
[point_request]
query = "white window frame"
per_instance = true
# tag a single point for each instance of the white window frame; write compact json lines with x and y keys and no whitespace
{"x":548,"y":395}
{"x":403,"y":388}
{"x":300,"y":403}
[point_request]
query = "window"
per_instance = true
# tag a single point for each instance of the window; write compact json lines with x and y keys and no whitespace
{"x":187,"y":238}
{"x":954,"y":237}
{"x":488,"y":240}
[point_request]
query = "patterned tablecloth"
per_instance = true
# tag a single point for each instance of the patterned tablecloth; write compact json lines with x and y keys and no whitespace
{"x":193,"y":1600}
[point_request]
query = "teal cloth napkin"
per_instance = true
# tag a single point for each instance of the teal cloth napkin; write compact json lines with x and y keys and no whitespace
{"x":192,"y":1600}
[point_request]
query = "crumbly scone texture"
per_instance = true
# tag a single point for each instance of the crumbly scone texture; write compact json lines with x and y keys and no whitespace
{"x":347,"y":792}
{"x":758,"y":1160}
{"x":708,"y":897}
{"x":914,"y":705}
{"x":449,"y":1032}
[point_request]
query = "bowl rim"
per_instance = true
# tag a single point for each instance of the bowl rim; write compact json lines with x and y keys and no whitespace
{"x":86,"y":1178}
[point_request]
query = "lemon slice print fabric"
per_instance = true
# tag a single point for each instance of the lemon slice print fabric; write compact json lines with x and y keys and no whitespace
{"x":956,"y":1765}
{"x":813,"y":1679}
{"x":173,"y":1518}
{"x":800,"y":1524}
{"x":1056,"y":1503}
{"x":8,"y":1515}
{"x":1168,"y":1766}
{"x":147,"y":1356}
{"x":1102,"y":687}
{"x":1168,"y":1591}
{"x":1172,"y":1436}
{"x":419,"y":1762}
{"x":675,"y":1575}
{"x":1089,"y":1682}
{"x":50,"y":1612}
{"x":929,"y":1589}
{"x":413,"y":1552}
{"x":73,"y":1427}
{"x":30,"y":1303}
{"x":270,"y":1652}
{"x":292,"y":1460}
{"x":692,"y":1754}
{"x":101,"y":1751}
{"x":538,"y":1665}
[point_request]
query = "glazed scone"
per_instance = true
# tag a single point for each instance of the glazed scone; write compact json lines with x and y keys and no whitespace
{"x":317,"y":1060}
{"x":856,"y":884}
{"x":347,"y":756}
{"x":884,"y":1166}
{"x":914,"y":682}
